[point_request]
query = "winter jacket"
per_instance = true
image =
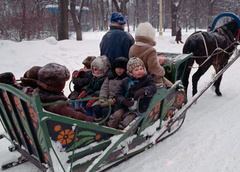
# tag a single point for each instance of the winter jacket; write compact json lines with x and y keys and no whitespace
{"x":148,"y":55}
{"x":110,"y":87}
{"x":178,"y":35}
{"x":62,"y":109}
{"x":95,"y":84}
{"x":80,"y":82}
{"x":130,"y":85}
{"x":116,"y":43}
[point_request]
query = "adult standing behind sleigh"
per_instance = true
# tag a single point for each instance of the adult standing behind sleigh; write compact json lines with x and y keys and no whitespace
{"x":116,"y":43}
{"x":143,"y":49}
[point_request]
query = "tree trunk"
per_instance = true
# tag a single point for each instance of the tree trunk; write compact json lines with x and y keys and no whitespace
{"x":174,"y":17}
{"x":23,"y":21}
{"x":210,"y":12}
{"x":63,"y":20}
{"x":175,"y":4}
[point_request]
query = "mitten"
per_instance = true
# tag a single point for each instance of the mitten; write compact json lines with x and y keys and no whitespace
{"x":111,"y":102}
{"x":139,"y":93}
{"x":103,"y":103}
{"x":128,"y":103}
{"x":82,"y":94}
{"x":75,"y":74}
{"x":91,"y":102}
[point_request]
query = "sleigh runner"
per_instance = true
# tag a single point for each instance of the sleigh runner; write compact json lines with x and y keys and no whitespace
{"x":55,"y":142}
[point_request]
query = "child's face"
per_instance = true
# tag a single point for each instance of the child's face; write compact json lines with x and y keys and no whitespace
{"x":138,"y":72}
{"x":96,"y":71}
{"x":119,"y":71}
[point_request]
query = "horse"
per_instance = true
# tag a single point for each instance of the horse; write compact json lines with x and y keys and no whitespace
{"x":209,"y":48}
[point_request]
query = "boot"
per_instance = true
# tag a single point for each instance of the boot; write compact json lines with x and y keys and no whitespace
{"x":115,"y":118}
{"x":97,"y":120}
{"x":126,"y":121}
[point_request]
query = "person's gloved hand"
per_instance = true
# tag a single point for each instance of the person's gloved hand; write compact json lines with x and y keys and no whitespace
{"x":75,"y":74}
{"x":104,"y":103}
{"x":82,"y":94}
{"x":139,"y":93}
{"x":91,"y":102}
{"x":127,"y":103}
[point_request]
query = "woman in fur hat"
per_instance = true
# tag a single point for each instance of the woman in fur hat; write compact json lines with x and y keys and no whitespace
{"x":143,"y":48}
{"x":137,"y":84}
{"x":101,"y":69}
{"x":81,"y":79}
{"x":51,"y":81}
{"x":109,"y":88}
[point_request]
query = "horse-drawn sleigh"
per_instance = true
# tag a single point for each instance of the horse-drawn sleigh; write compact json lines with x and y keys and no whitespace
{"x":58,"y":143}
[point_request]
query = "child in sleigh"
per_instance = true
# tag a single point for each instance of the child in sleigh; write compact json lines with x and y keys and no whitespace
{"x":137,"y":84}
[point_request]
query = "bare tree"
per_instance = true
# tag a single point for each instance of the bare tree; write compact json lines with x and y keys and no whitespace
{"x":175,"y":4}
{"x":31,"y":19}
{"x":77,"y":18}
{"x":121,"y":6}
{"x":63,"y":19}
{"x":210,"y":11}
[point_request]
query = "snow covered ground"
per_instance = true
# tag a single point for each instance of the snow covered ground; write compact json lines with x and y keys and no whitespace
{"x":209,"y":139}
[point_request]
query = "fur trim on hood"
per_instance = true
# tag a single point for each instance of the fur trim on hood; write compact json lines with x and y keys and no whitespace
{"x":101,"y":63}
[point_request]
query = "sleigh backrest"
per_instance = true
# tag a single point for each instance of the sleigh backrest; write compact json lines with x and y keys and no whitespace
{"x":20,"y":120}
{"x":174,"y":64}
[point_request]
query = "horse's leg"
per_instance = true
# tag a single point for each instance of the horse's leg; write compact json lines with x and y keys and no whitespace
{"x":217,"y":68}
{"x":197,"y":75}
{"x":186,"y":74}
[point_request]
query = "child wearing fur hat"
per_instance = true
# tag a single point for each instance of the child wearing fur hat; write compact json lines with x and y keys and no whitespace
{"x":81,"y":79}
{"x":109,"y":88}
{"x":51,"y":81}
{"x":137,"y":84}
{"x":29,"y":80}
{"x":9,"y":78}
{"x":101,"y":69}
{"x":143,"y":48}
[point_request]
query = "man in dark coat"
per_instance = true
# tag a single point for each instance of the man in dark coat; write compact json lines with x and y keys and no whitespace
{"x":116,"y":43}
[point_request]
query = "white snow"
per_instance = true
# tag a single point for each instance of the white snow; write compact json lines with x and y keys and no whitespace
{"x":209,"y":139}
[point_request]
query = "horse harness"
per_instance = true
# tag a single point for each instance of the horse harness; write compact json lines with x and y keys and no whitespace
{"x":223,"y":32}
